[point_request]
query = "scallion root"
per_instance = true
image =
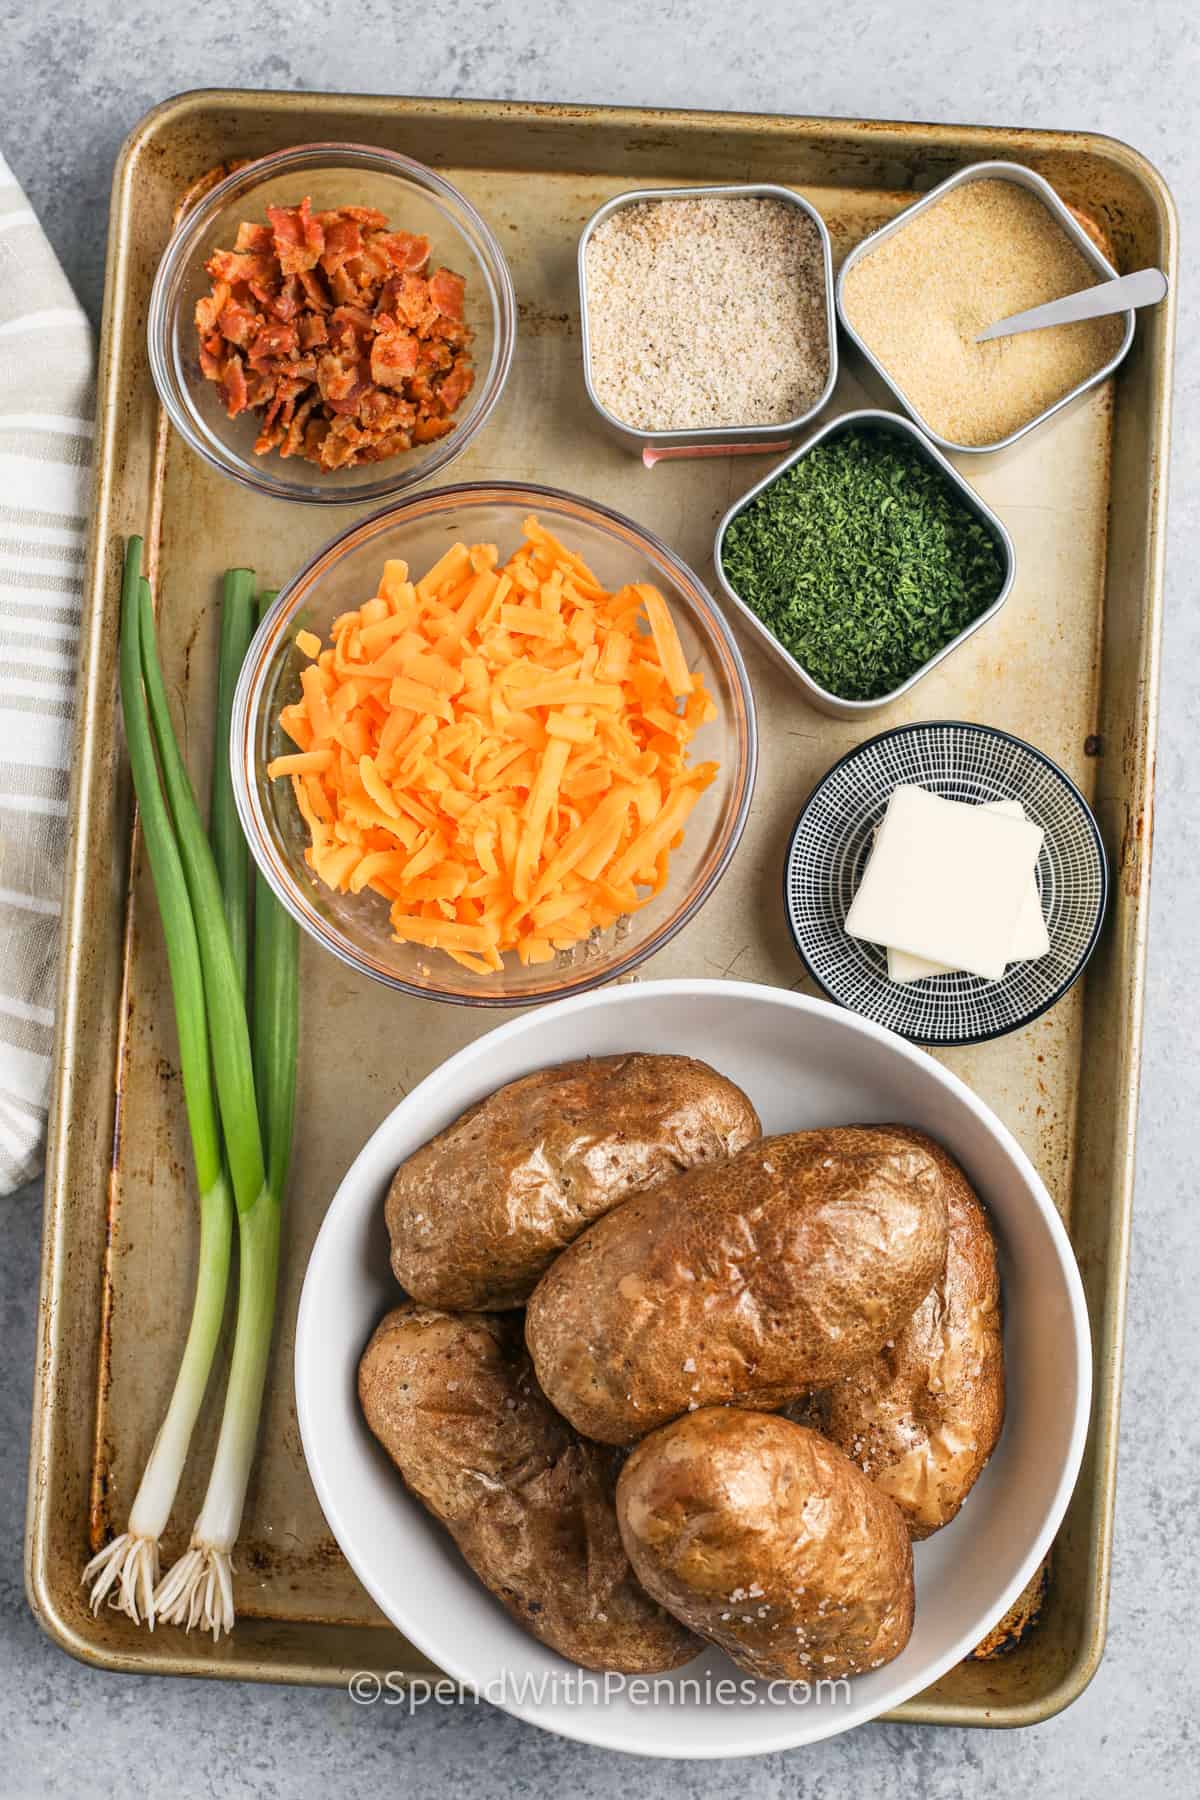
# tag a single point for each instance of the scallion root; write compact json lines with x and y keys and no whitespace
{"x":198,"y":1591}
{"x":125,"y":1573}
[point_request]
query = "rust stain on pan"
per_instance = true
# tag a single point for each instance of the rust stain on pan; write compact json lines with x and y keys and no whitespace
{"x":1021,"y":1618}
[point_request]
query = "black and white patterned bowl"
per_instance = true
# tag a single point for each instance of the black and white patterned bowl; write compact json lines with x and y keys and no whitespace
{"x":829,"y":849}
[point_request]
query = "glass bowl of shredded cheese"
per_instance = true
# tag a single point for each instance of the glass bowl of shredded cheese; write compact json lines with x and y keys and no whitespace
{"x":494,"y":745}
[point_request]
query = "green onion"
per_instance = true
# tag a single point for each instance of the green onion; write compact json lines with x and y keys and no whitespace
{"x":204,"y":900}
{"x":229,"y":845}
{"x":128,"y":1566}
{"x":224,"y":992}
{"x":276,"y":1023}
{"x":199,"y":1589}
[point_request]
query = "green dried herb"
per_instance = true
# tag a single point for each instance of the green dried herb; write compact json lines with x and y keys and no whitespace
{"x":863,"y":560}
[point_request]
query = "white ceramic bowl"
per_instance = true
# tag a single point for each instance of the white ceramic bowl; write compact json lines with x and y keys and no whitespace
{"x":803,"y":1063}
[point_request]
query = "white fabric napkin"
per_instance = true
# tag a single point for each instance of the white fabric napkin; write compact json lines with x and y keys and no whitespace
{"x":47,"y":399}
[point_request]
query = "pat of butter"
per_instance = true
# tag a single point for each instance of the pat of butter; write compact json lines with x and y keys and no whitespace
{"x":1030,"y":941}
{"x":946,"y":881}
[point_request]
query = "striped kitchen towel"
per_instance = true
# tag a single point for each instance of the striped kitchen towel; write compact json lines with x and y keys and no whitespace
{"x":47,"y":397}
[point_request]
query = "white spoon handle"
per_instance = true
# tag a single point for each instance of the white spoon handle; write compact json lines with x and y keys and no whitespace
{"x":1145,"y":288}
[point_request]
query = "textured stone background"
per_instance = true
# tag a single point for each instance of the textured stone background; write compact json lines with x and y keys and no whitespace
{"x":75,"y":78}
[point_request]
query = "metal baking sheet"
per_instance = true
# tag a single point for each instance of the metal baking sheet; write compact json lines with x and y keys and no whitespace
{"x":1071,"y":663}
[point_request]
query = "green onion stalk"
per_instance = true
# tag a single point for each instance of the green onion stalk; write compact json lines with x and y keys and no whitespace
{"x":228,"y":842}
{"x":198,"y":1590}
{"x":126,"y":1570}
{"x":239,"y":1095}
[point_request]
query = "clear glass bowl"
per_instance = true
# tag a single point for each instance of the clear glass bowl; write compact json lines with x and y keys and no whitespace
{"x":412,"y":198}
{"x":356,"y":927}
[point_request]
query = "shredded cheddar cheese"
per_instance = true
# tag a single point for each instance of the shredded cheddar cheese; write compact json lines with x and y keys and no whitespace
{"x":500,"y":752}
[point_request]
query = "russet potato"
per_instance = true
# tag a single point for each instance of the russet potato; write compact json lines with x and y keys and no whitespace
{"x":922,"y":1416}
{"x":453,"y":1401}
{"x":765,"y":1539}
{"x":481,"y":1211}
{"x":746,"y":1284}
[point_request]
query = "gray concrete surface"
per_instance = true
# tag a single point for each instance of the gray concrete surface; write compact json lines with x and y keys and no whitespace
{"x":75,"y":77}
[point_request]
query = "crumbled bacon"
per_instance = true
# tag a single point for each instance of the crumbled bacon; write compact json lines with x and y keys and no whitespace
{"x":238,"y":324}
{"x":343,"y":239}
{"x":316,"y":290}
{"x":446,"y":291}
{"x":233,"y":386}
{"x":394,"y":358}
{"x":367,"y":216}
{"x":274,"y":339}
{"x":252,"y":237}
{"x":403,"y":250}
{"x":313,"y":330}
{"x":242,"y":266}
{"x":329,"y":326}
{"x":456,"y":386}
{"x":299,"y":238}
{"x":209,"y":310}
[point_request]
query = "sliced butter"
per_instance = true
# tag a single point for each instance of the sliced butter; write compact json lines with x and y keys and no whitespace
{"x":946,"y":882}
{"x":1030,"y":940}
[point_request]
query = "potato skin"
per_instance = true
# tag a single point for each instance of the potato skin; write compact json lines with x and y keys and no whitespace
{"x":764,"y":1538}
{"x":922,"y":1417}
{"x":745,"y":1284}
{"x":453,"y":1401}
{"x":481,"y":1211}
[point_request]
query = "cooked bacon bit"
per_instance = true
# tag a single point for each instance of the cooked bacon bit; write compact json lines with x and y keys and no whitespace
{"x":313,"y":330}
{"x":394,"y":358}
{"x":408,"y":297}
{"x":233,"y":386}
{"x":238,"y":324}
{"x":386,"y":411}
{"x":252,"y":237}
{"x":212,"y":360}
{"x":403,"y":250}
{"x":285,"y":301}
{"x":293,"y":443}
{"x":343,"y":286}
{"x":210,"y":308}
{"x":328,"y":326}
{"x":259,"y":386}
{"x":351,"y":329}
{"x":339,"y":379}
{"x":366,"y":216}
{"x":428,"y":429}
{"x":274,"y":339}
{"x":457,"y":385}
{"x":241,"y":266}
{"x":446,"y":291}
{"x":343,"y":239}
{"x":315,"y":290}
{"x":299,"y":238}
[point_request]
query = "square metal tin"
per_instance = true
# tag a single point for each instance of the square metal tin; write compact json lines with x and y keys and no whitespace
{"x":985,"y":171}
{"x":898,"y":426}
{"x":718,"y":437}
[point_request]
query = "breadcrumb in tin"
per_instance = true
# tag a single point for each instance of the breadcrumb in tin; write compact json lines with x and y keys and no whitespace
{"x":707,"y":312}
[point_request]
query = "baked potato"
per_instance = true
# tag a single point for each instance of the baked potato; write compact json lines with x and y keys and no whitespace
{"x":765,"y":1538}
{"x":922,"y":1416}
{"x":478,"y":1213}
{"x":453,"y":1401}
{"x":743,"y":1284}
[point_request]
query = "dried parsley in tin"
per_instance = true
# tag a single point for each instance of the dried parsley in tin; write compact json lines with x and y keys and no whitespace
{"x":863,"y":560}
